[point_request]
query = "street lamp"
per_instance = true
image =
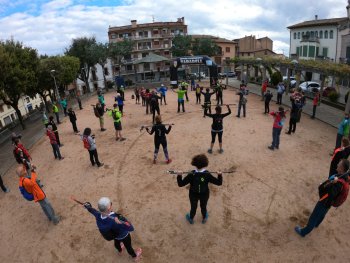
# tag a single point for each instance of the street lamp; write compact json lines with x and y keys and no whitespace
{"x":52,"y":73}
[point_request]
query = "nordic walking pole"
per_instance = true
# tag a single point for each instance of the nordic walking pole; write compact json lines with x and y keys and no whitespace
{"x":149,"y":126}
{"x":186,"y":172}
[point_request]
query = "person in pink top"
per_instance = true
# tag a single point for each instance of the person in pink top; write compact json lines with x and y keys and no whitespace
{"x":279,"y":119}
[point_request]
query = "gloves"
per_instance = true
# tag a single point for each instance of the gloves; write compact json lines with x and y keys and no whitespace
{"x":87,"y":205}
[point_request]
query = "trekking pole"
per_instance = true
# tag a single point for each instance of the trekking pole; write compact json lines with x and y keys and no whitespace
{"x":186,"y":172}
{"x":149,"y":126}
{"x":119,"y":216}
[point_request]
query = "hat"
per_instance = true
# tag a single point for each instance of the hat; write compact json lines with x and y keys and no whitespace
{"x":162,"y":85}
{"x":118,"y":94}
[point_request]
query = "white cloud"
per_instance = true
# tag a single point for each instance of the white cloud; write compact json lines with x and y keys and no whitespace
{"x":50,"y":26}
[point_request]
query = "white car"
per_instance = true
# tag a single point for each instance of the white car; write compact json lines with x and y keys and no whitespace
{"x":310,"y":86}
{"x":292,"y":81}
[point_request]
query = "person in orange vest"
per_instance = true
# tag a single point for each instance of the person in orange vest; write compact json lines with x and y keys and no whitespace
{"x":30,"y":189}
{"x":315,"y":102}
{"x":339,"y":153}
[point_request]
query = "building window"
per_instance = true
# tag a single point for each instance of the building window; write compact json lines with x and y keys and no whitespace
{"x":312,"y":34}
{"x":144,"y":55}
{"x":156,"y":43}
{"x":1,"y":108}
{"x":326,"y":34}
{"x":120,"y":35}
{"x":128,"y":67}
{"x":307,"y":33}
{"x":298,"y":35}
{"x":228,"y":49}
{"x":325,"y":52}
{"x":113,"y":36}
{"x":166,"y":53}
{"x":331,"y":34}
{"x":316,"y":33}
{"x":304,"y":51}
{"x":155,"y":32}
{"x":302,"y":34}
{"x":295,"y":35}
{"x":321,"y":34}
{"x":311,"y":51}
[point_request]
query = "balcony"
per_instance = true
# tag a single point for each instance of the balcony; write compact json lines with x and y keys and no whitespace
{"x":310,"y":39}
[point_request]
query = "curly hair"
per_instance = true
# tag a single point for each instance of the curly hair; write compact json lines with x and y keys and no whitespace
{"x":200,"y":161}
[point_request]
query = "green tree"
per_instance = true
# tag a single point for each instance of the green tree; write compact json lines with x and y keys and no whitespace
{"x":205,"y":46}
{"x":83,"y":48}
{"x":181,"y":46}
{"x":118,"y":50}
{"x":18,"y":74}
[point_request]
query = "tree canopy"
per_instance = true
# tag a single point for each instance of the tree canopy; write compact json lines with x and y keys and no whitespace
{"x":205,"y":46}
{"x":181,"y":46}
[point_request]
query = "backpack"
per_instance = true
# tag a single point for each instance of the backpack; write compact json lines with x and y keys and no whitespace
{"x":26,"y":195}
{"x":86,"y":142}
{"x":96,"y":112}
{"x":343,"y":193}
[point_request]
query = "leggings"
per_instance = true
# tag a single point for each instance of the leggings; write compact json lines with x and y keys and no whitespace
{"x":198,"y":98}
{"x":203,"y":199}
{"x":213,"y":136}
{"x":127,"y":243}
{"x":155,"y":109}
{"x":157,"y":144}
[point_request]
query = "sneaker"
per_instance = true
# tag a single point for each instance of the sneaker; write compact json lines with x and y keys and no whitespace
{"x":298,"y":231}
{"x":271,"y":147}
{"x":138,"y":254}
{"x":238,"y":116}
{"x":7,"y":190}
{"x":287,"y":132}
{"x":56,"y":220}
{"x":117,"y":139}
{"x":122,"y":247}
{"x":61,"y":145}
{"x":168,"y":161}
{"x":61,"y":158}
{"x":122,"y":139}
{"x":205,"y":219}
{"x":100,"y":165}
{"x":103,"y":129}
{"x":210,"y":151}
{"x":277,"y":147}
{"x":221,"y":151}
{"x":154,"y":161}
{"x":188,"y":218}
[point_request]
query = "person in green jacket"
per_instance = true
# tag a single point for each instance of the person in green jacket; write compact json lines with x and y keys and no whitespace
{"x":180,"y":98}
{"x":55,"y":111}
{"x":117,"y":118}
{"x":101,"y":99}
{"x":343,"y":130}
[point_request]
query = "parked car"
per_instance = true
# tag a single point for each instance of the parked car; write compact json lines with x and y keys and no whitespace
{"x":231,"y":74}
{"x":222,"y":75}
{"x":328,"y":90}
{"x":202,"y":74}
{"x":310,"y":86}
{"x":292,"y":80}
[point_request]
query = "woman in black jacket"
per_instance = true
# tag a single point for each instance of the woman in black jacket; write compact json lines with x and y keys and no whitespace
{"x":199,"y":189}
{"x":73,"y":119}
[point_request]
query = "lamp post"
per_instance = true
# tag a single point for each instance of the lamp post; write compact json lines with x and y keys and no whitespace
{"x":52,"y":73}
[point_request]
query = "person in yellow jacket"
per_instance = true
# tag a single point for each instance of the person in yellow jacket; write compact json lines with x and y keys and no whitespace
{"x":55,"y":111}
{"x":117,"y":118}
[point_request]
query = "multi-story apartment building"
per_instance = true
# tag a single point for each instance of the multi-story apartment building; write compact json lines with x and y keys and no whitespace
{"x":250,"y":46}
{"x":227,"y":51}
{"x":25,"y":105}
{"x":149,"y":38}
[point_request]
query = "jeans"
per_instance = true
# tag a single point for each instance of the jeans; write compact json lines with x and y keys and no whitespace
{"x":57,"y":138}
{"x":338,"y":141}
{"x":48,"y":210}
{"x":203,"y":199}
{"x":276,"y":132}
{"x":198,"y":98}
{"x":56,"y":151}
{"x":57,"y":117}
{"x":315,"y":219}
{"x":240,"y":105}
{"x":94,"y":157}
{"x":292,"y":125}
{"x":182,"y":103}
{"x":127,"y":243}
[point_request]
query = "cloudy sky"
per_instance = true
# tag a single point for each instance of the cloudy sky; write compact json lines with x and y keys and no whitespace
{"x":49,"y":26}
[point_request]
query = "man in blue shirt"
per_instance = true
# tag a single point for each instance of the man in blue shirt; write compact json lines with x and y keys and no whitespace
{"x":113,"y":226}
{"x":162,"y":90}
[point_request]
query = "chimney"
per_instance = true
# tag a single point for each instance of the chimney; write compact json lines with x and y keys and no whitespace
{"x":316,"y":17}
{"x":133,"y":23}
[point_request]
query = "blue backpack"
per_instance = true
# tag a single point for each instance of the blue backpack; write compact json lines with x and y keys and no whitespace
{"x":26,"y":195}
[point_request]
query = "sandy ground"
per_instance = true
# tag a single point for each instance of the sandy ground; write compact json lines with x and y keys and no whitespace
{"x":251,"y":216}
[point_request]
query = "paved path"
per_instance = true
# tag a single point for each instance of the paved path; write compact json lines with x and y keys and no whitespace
{"x":325,"y":113}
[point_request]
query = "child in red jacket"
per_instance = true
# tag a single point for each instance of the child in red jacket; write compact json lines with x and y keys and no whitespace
{"x":279,"y":119}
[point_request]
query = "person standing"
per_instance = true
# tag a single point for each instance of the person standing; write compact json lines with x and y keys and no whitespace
{"x":99,"y":112}
{"x":160,"y":132}
{"x":207,"y":100}
{"x":180,"y":99}
{"x":184,"y":86}
{"x":55,"y":130}
{"x":315,"y":103}
{"x":121,"y":91}
{"x":217,"y":126}
{"x":137,"y":95}
{"x":90,"y":144}
{"x":199,"y":180}
{"x":219,"y":93}
{"x":113,"y":226}
{"x":63,"y":102}
{"x":73,"y":119}
{"x":53,"y":142}
{"x":162,"y":91}
{"x":339,"y":153}
{"x":56,"y":112}
{"x":79,"y":102}
{"x":279,"y":118}
{"x":293,"y":115}
{"x":34,"y":191}
{"x":3,"y":187}
{"x":117,"y":119}
{"x":267,"y":97}
{"x":120,"y":101}
{"x":44,"y":119}
{"x":154,"y":103}
{"x":343,"y":130}
{"x":280,"y":91}
{"x":147,"y":96}
{"x":198,"y":94}
{"x":264,"y":88}
{"x":242,"y":101}
{"x":101,"y":99}
{"x":333,"y":192}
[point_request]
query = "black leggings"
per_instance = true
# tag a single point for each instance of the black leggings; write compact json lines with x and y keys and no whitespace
{"x":121,"y":108}
{"x":155,"y":109}
{"x":213,"y":136}
{"x":198,"y":98}
{"x":203,"y":199}
{"x":127,"y":243}
{"x":94,"y":157}
{"x":219,"y":98}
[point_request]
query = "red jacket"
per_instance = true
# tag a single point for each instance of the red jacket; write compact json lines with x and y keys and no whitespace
{"x":278,"y":120}
{"x":316,"y":100}
{"x":52,"y":136}
{"x":20,"y":146}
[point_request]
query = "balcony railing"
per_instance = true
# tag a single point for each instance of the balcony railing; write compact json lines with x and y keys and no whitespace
{"x":310,"y":39}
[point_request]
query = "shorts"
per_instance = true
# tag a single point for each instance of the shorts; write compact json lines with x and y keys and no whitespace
{"x":101,"y":121}
{"x":118,"y":126}
{"x":180,"y":100}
